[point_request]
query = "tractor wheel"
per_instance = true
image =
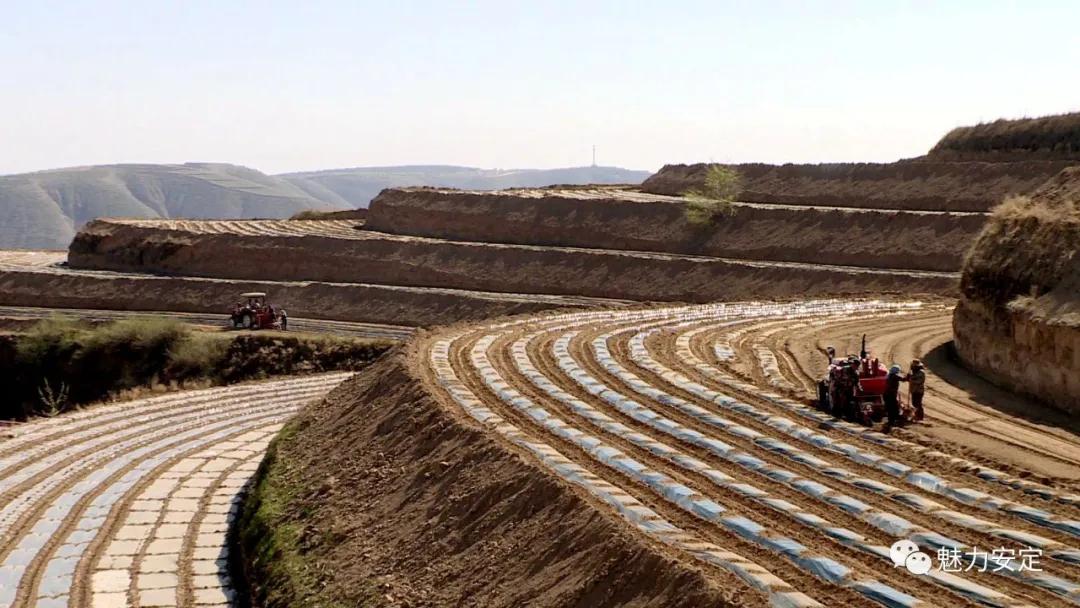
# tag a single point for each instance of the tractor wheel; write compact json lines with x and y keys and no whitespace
{"x":247,"y":321}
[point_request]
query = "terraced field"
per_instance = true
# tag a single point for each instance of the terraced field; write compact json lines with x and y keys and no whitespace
{"x":42,"y":279}
{"x":962,"y":408}
{"x":21,"y":316}
{"x":129,"y":504}
{"x":333,"y":251}
{"x":644,"y":413}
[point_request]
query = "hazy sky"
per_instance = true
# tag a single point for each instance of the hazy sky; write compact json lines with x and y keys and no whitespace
{"x":297,"y":85}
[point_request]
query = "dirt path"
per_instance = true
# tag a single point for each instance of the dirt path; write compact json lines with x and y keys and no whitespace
{"x":24,"y":315}
{"x":128,"y":504}
{"x":962,"y":409}
{"x":635,"y":409}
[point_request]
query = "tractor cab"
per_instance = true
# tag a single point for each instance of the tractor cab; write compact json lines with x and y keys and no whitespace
{"x":252,"y":311}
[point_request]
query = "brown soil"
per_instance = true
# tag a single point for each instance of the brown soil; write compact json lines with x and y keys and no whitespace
{"x":59,"y":287}
{"x":424,"y":510}
{"x":210,"y":249}
{"x":941,"y":186}
{"x":1019,"y":319}
{"x":402,"y":500}
{"x":348,"y":214}
{"x":614,"y":218}
{"x":963,"y":409}
{"x":1045,"y":137}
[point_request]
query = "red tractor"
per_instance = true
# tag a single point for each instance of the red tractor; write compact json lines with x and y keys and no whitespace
{"x":253,"y":312}
{"x":855,"y":388}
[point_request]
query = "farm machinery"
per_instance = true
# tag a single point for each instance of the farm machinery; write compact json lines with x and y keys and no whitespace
{"x":253,"y":312}
{"x":854,"y":388}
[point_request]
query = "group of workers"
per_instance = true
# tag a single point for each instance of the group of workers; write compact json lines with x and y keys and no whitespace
{"x":259,"y":307}
{"x":844,"y":382}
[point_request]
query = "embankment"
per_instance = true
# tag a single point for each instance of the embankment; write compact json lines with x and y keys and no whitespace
{"x":66,"y":288}
{"x":621,"y":219}
{"x":912,"y":185}
{"x":1045,"y":137}
{"x":1018,"y":321}
{"x":368,"y":257}
{"x":380,"y":495}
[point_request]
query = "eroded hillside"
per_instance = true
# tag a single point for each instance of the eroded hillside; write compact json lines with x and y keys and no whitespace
{"x":1019,"y":317}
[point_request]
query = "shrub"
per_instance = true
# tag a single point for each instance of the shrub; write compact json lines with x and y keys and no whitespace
{"x":714,"y":199}
{"x":61,"y":363}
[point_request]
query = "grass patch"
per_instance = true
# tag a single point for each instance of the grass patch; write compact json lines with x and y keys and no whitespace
{"x":59,"y":363}
{"x":715,"y":199}
{"x":276,"y":535}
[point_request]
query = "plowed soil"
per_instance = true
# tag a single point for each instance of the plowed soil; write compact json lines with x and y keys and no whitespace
{"x":644,"y":416}
{"x":916,"y":184}
{"x":620,"y":218}
{"x":40,"y":279}
{"x":335,"y":252}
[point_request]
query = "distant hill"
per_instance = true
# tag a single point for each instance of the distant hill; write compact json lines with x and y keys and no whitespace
{"x":43,"y":210}
{"x":356,"y":187}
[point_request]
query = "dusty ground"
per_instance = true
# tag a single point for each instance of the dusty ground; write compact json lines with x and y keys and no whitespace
{"x":335,"y":252}
{"x":963,"y":409}
{"x":909,"y":184}
{"x":642,"y":415}
{"x":621,"y":218}
{"x":29,"y":278}
{"x":14,"y":318}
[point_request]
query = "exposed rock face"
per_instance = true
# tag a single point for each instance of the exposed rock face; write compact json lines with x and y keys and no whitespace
{"x":923,"y":185}
{"x":1018,"y":321}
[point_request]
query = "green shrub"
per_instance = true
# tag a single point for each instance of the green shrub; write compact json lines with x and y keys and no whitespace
{"x":60,"y":363}
{"x":715,"y":198}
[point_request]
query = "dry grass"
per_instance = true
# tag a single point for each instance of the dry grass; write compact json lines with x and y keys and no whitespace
{"x":1048,"y":137}
{"x":1028,"y":246}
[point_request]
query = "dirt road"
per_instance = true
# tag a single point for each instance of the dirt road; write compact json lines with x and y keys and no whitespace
{"x":643,"y":413}
{"x":129,"y":504}
{"x":39,"y":278}
{"x":25,"y":315}
{"x":962,"y":408}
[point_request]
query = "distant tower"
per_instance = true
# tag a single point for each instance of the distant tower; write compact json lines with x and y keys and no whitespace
{"x":594,"y":155}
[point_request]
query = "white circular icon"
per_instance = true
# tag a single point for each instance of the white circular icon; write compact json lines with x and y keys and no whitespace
{"x":918,"y":563}
{"x":900,"y":551}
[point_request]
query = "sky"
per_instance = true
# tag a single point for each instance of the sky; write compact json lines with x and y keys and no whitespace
{"x":293,"y":86}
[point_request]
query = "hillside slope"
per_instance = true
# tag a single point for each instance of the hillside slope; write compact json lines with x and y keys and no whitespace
{"x":1047,"y":137}
{"x":43,"y":210}
{"x":913,"y":185}
{"x":1019,"y":318}
{"x":358,"y":186}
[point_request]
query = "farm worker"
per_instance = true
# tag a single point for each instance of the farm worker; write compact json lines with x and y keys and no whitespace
{"x":892,"y":395}
{"x":917,"y":387}
{"x":284,"y":320}
{"x":846,"y":379}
